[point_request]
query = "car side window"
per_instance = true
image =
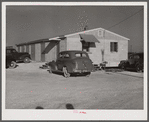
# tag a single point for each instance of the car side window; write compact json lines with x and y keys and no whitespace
{"x":14,"y":51}
{"x":66,"y":55}
{"x":84,"y":55}
{"x":131,"y":57}
{"x":78,"y":55}
{"x":136,"y":57}
{"x":60,"y":55}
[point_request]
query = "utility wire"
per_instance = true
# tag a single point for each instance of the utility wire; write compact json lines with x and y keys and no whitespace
{"x":125,"y":19}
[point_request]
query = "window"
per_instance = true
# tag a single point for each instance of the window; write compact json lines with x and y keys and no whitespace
{"x":114,"y":46}
{"x":80,"y":55}
{"x":14,"y":51}
{"x":85,"y":46}
{"x":64,"y":55}
{"x":136,"y":57}
{"x":84,"y":55}
{"x":100,"y":33}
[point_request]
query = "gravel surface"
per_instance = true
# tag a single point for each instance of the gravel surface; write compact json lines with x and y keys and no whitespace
{"x":28,"y":86}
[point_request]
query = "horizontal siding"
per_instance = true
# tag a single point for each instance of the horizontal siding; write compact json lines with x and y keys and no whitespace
{"x":37,"y":52}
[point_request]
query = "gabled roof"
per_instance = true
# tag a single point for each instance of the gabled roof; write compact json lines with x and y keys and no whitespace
{"x":64,"y":36}
{"x":83,"y":32}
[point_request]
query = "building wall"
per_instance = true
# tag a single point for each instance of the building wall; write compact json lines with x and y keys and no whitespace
{"x":42,"y":49}
{"x":30,"y":49}
{"x":73,"y":43}
{"x":27,"y":48}
{"x":33,"y":52}
{"x":63,"y":45}
{"x":114,"y":58}
{"x":22,"y":48}
{"x":18,"y":49}
{"x":37,"y":52}
{"x":52,"y":55}
{"x":95,"y":53}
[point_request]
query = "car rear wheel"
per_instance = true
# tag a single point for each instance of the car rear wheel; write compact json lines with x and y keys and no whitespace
{"x":26,"y":60}
{"x":139,"y":68}
{"x":50,"y":69}
{"x":12,"y":65}
{"x":87,"y":74}
{"x":123,"y":67}
{"x":66,"y":74}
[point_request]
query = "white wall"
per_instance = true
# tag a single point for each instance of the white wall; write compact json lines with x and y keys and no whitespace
{"x":73,"y":43}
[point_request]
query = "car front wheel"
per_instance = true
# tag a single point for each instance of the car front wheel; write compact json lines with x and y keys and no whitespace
{"x":139,"y":68}
{"x":12,"y":65}
{"x":26,"y":60}
{"x":123,"y":67}
{"x":87,"y":74}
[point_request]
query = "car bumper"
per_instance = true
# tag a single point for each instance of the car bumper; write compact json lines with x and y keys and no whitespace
{"x":81,"y":71}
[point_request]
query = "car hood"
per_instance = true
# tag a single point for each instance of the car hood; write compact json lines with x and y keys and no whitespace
{"x":23,"y":53}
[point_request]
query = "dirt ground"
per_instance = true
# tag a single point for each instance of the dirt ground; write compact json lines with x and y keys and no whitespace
{"x":27,"y":87}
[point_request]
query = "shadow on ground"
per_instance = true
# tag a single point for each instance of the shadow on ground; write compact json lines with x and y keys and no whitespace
{"x":71,"y":75}
{"x":68,"y":106}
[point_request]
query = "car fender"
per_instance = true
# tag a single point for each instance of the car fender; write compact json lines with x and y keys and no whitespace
{"x":53,"y":65}
{"x":69,"y":66}
{"x":139,"y":63}
{"x":25,"y":55}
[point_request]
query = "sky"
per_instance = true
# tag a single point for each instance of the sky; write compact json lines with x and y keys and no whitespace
{"x":29,"y":23}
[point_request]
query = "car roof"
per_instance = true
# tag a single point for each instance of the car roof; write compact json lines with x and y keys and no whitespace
{"x":73,"y":51}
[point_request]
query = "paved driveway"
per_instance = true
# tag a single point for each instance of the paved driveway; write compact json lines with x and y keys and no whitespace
{"x":27,"y":87}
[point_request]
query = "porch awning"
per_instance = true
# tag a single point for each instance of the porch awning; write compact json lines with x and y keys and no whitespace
{"x":52,"y":44}
{"x":89,"y":38}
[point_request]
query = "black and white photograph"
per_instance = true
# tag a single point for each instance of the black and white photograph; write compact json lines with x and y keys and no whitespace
{"x":74,"y":60}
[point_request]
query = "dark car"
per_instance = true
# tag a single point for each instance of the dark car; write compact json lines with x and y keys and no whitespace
{"x":135,"y":61}
{"x":68,"y":62}
{"x":18,"y":56}
{"x":10,"y":62}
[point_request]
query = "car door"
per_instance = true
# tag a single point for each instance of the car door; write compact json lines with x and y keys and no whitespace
{"x":15,"y":54}
{"x":8,"y":52}
{"x":63,"y":61}
{"x":131,"y":60}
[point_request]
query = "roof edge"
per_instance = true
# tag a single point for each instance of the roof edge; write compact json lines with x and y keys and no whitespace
{"x":67,"y":35}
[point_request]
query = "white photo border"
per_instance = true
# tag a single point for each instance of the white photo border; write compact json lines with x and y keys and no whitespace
{"x":52,"y":114}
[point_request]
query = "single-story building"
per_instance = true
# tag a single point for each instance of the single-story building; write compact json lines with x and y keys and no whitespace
{"x":100,"y":44}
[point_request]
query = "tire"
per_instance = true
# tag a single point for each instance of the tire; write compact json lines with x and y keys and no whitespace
{"x":26,"y":60}
{"x":12,"y":65}
{"x":139,"y":68}
{"x":66,"y":74}
{"x":123,"y":67}
{"x":87,"y":74}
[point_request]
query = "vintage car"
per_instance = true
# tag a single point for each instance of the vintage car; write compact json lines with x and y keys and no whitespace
{"x":135,"y":61}
{"x":18,"y":56}
{"x":72,"y":62}
{"x":10,"y":62}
